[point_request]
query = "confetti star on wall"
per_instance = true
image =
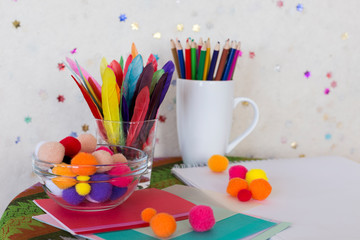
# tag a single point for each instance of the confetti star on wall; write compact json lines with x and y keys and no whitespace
{"x":180,"y":27}
{"x":135,"y":26}
{"x":251,"y":55}
{"x":344,"y":36}
{"x":307,"y":74}
{"x":294,"y":145}
{"x":157,"y":35}
{"x":16,"y":23}
{"x":333,"y":84}
{"x":122,"y":17}
{"x":280,"y":4}
{"x":299,"y":7}
{"x":85,"y":127}
{"x":27,"y":119}
{"x":61,"y":66}
{"x":74,"y":134}
{"x":196,"y":28}
{"x":326,"y":91}
{"x":329,"y":75}
{"x":61,"y":98}
{"x":73,"y":51}
{"x":162,"y":118}
{"x":17,"y":140}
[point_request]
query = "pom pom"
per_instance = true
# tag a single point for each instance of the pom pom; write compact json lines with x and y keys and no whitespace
{"x":119,"y":158}
{"x":72,"y":146}
{"x":260,"y":189}
{"x":52,"y":152}
{"x":38,"y":147}
{"x":66,"y":159}
{"x":147,"y":214}
{"x":100,"y":191}
{"x":235,"y":185}
{"x":117,"y":192}
{"x":244,"y":195}
{"x":201,"y":218}
{"x":82,"y":164}
{"x":83,"y":189}
{"x":218,"y":163}
{"x":253,"y":174}
{"x":63,"y":170}
{"x":105,"y":149}
{"x":237,"y":171}
{"x":163,"y":225}
{"x":51,"y":186}
{"x":71,"y":196}
{"x":65,"y":177}
{"x":88,"y":142}
{"x":120,"y":171}
{"x":103,"y":158}
{"x":64,"y":182}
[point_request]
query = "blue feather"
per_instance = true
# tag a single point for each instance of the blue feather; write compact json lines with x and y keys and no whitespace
{"x":132,"y":76}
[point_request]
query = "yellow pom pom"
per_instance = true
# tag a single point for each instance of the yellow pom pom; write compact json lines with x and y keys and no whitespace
{"x":255,"y":174}
{"x":163,"y":225}
{"x":83,"y":188}
{"x":147,"y":214}
{"x":218,"y":163}
{"x":83,"y":178}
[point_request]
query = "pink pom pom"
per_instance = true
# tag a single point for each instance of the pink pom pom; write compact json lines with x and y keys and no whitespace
{"x":237,"y":171}
{"x":201,"y":218}
{"x":118,"y":179}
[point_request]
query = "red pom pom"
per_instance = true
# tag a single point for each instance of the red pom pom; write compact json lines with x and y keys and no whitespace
{"x":201,"y":218}
{"x":72,"y":146}
{"x":244,"y":195}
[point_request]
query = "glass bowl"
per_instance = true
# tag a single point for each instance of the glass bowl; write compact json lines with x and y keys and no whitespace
{"x":108,"y":186}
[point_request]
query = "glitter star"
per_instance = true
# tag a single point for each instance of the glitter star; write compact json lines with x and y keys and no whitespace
{"x":135,"y":26}
{"x":251,"y":55}
{"x":157,"y":35}
{"x":328,"y":136}
{"x":240,"y":53}
{"x":344,"y":36}
{"x":122,"y":17}
{"x":27,"y":119}
{"x":180,"y":27}
{"x":16,"y":23}
{"x":162,"y":118}
{"x":17,"y":140}
{"x":61,"y":66}
{"x":329,"y":75}
{"x":60,"y":98}
{"x":73,"y":51}
{"x":294,"y":145}
{"x":74,"y":134}
{"x":307,"y":74}
{"x":333,"y":84}
{"x":327,"y":91}
{"x":196,"y":28}
{"x":85,"y":127}
{"x":299,"y":7}
{"x":280,"y":4}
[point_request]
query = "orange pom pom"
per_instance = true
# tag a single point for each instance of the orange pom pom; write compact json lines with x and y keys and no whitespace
{"x":82,"y":163}
{"x":218,"y":163}
{"x":147,"y":214}
{"x":64,"y":182}
{"x":163,"y":225}
{"x":260,"y":189}
{"x":235,"y":185}
{"x":63,"y":169}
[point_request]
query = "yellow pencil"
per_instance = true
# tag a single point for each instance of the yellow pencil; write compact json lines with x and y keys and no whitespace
{"x":207,"y":59}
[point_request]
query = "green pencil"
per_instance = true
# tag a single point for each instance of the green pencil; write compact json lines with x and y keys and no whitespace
{"x":201,"y":63}
{"x":193,"y":60}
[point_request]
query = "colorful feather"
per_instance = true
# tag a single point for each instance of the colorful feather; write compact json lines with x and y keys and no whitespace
{"x":127,"y":63}
{"x":96,"y":90}
{"x":152,"y":60}
{"x":140,"y":111}
{"x":155,"y":79}
{"x":132,"y":75}
{"x":134,"y":51}
{"x":103,"y":66}
{"x":169,"y":68}
{"x":155,"y":98}
{"x":110,"y":106}
{"x":121,"y":62}
{"x":116,"y":67}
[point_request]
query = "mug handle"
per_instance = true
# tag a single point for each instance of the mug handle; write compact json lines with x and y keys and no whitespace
{"x":238,"y":139}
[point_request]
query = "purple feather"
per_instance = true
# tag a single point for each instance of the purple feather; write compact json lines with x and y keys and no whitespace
{"x":124,"y":110}
{"x":169,"y":68}
{"x":155,"y":97}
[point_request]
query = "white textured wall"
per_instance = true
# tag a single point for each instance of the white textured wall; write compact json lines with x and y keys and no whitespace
{"x":322,"y":38}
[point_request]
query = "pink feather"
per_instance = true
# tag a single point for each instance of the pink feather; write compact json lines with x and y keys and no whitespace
{"x":152,"y":60}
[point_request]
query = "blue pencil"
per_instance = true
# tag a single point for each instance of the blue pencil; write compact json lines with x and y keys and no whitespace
{"x":213,"y":62}
{"x":181,"y":59}
{"x":229,"y":61}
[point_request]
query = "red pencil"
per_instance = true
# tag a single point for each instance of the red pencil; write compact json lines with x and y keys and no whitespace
{"x":187,"y":60}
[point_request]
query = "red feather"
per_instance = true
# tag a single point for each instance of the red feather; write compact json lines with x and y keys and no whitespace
{"x":127,"y":63}
{"x":95,"y":89}
{"x":92,"y":106}
{"x":115,"y":66}
{"x":152,"y":60}
{"x":140,"y":110}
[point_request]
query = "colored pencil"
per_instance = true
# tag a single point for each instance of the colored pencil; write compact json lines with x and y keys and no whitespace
{"x":213,"y":61}
{"x":193,"y":60}
{"x":181,"y":59}
{"x":175,"y":56}
{"x":233,"y":64}
{"x":207,"y":59}
{"x":201,"y":63}
{"x":229,"y":61}
{"x":201,"y":43}
{"x":222,"y":62}
{"x":187,"y":60}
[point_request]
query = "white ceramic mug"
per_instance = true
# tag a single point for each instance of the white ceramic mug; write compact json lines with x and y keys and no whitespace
{"x":204,"y":111}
